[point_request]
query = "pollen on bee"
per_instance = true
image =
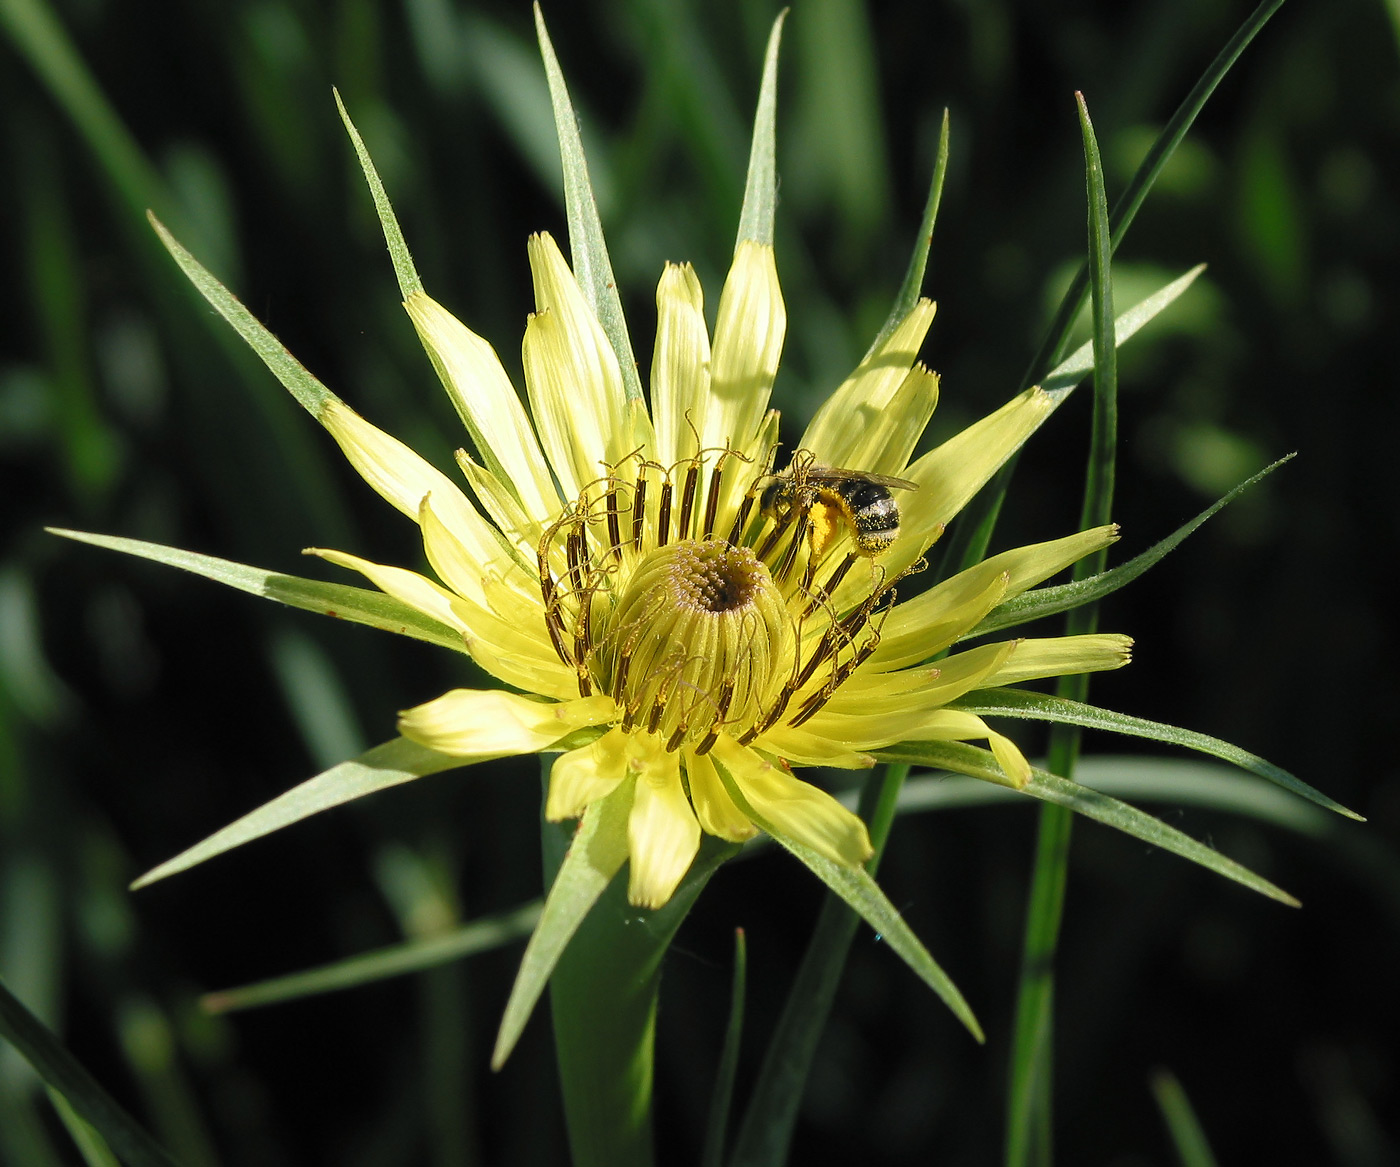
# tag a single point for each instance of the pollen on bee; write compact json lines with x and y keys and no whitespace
{"x":825,"y":524}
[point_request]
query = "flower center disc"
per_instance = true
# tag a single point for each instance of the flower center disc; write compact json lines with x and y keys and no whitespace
{"x":695,"y":642}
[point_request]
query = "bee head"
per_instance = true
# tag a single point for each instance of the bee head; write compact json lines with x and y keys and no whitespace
{"x":778,"y":498}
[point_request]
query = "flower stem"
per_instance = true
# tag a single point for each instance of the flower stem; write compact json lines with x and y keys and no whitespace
{"x":603,"y":999}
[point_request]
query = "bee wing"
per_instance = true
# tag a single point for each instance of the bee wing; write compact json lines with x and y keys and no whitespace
{"x":837,"y":474}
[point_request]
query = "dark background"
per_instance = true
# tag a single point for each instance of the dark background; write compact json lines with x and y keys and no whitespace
{"x":141,"y":709}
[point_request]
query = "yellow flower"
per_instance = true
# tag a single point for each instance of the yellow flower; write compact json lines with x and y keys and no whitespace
{"x":688,"y":618}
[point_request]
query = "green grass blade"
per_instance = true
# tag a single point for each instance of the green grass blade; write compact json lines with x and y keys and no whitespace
{"x":1041,"y":602}
{"x":771,"y":1117}
{"x":1042,"y":707}
{"x":395,"y":960}
{"x":1187,"y":1134}
{"x":358,"y":605}
{"x":65,"y":1075}
{"x":1128,"y":205}
{"x":399,"y":254}
{"x":1029,"y":1121}
{"x":861,"y":893}
{"x":972,"y":534}
{"x":588,"y":250}
{"x":309,"y":392}
{"x":1084,"y":800}
{"x":722,"y":1101}
{"x":1080,"y":363}
{"x":595,"y":855}
{"x":92,"y":1146}
{"x":759,"y":213}
{"x":39,"y":37}
{"x":391,"y":764}
{"x":912,"y":287}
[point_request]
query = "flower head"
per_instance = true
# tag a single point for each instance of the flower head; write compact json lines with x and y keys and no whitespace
{"x":684,"y":612}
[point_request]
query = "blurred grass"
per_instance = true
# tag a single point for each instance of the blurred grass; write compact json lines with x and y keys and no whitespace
{"x":138,"y":711}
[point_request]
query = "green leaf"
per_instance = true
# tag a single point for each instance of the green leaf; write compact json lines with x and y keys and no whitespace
{"x":399,"y":255}
{"x":1126,"y":209}
{"x":588,"y":250}
{"x":1080,"y":363}
{"x":1042,"y":707}
{"x":309,"y":392}
{"x":597,"y":852}
{"x":1041,"y":602}
{"x":391,"y":764}
{"x":970,"y":537}
{"x":863,"y":895}
{"x":912,"y":287}
{"x":766,"y":1134}
{"x":979,"y":763}
{"x":759,"y":212}
{"x":63,"y":1073}
{"x":358,"y":605}
{"x":394,"y":960}
{"x":603,"y":998}
{"x":722,"y":1101}
{"x":92,"y":1146}
{"x":1187,"y":1134}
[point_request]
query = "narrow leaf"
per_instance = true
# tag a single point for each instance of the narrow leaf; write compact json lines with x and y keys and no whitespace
{"x":92,"y":1146}
{"x":358,"y":605}
{"x":1041,"y":602}
{"x":404,"y":268}
{"x":1124,"y":211}
{"x":722,"y":1101}
{"x":309,"y":392}
{"x":391,"y":764}
{"x":971,"y":536}
{"x":1187,"y":1134}
{"x":588,"y":250}
{"x":596,"y":854}
{"x":393,"y":961}
{"x":1080,"y":363}
{"x":65,"y":1074}
{"x":759,"y":212}
{"x":765,"y":1136}
{"x":1043,"y":707}
{"x":979,"y":763}
{"x":912,"y":288}
{"x":863,"y":895}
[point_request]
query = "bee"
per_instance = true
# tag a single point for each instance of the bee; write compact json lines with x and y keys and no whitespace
{"x":834,"y":500}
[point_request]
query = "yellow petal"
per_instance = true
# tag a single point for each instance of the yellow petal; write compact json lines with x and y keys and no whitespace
{"x":857,"y":420}
{"x":1058,"y":656}
{"x":584,"y":775}
{"x":404,"y":479}
{"x":796,"y":808}
{"x":749,"y":331}
{"x":413,"y":589}
{"x":932,"y":620}
{"x":662,"y":833}
{"x":713,"y":807}
{"x":951,"y":474}
{"x":951,"y":725}
{"x":571,"y":372}
{"x":919,"y":628}
{"x":680,"y":366}
{"x":487,"y":403}
{"x":490,"y":723}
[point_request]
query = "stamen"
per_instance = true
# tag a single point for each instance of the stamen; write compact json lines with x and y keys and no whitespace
{"x":692,"y":476}
{"x":712,"y":499}
{"x":663,"y":520}
{"x":614,"y":532}
{"x":639,"y":508}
